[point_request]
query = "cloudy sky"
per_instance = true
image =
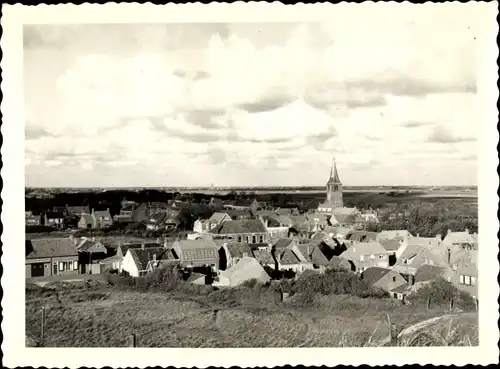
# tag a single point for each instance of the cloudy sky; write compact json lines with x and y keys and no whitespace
{"x":391,"y":96}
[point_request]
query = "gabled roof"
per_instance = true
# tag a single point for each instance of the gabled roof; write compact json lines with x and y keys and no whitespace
{"x":143,"y":257}
{"x":50,"y":247}
{"x":283,"y":243}
{"x":239,"y":249}
{"x":429,"y":273}
{"x":390,"y":245}
{"x":102,"y":213}
{"x":394,"y":234}
{"x":87,"y":218}
{"x":459,"y":237}
{"x":425,"y":241}
{"x":86,"y":245}
{"x":78,"y":209}
{"x":195,"y":276}
{"x":401,"y":289}
{"x":361,"y":236}
{"x":363,"y":248}
{"x":199,"y":249}
{"x":240,"y":226}
{"x":125,"y":247}
{"x":374,"y":274}
{"x":218,"y":217}
{"x":244,"y":270}
{"x":263,"y":257}
{"x":338,"y":262}
{"x":236,"y":213}
{"x":345,"y":211}
{"x":288,"y":257}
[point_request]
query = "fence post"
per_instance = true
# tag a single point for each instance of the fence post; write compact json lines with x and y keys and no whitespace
{"x":42,"y":326}
{"x":131,"y":340}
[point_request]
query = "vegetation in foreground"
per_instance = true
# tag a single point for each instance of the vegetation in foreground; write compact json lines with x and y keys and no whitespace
{"x":164,"y":311}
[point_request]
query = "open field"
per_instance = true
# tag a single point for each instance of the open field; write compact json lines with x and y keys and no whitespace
{"x":103,"y":317}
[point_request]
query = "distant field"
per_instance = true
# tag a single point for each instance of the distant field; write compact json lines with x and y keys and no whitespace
{"x":104,"y":318}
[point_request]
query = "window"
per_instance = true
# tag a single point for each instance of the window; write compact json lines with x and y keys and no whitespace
{"x":467,"y":280}
{"x":372,"y":256}
{"x":239,"y":238}
{"x":261,"y":239}
{"x":394,"y":279}
{"x":431,"y":262}
{"x":75,"y":265}
{"x":461,"y":279}
{"x":381,"y":256}
{"x":362,"y":258}
{"x":54,"y":269}
{"x":254,"y":239}
{"x":473,"y":281}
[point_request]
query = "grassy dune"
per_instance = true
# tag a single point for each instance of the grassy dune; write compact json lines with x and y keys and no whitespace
{"x":101,"y":317}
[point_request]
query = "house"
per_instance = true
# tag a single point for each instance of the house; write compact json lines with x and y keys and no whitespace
{"x":231,"y":252}
{"x":291,"y":259}
{"x":116,"y":261}
{"x":90,"y":252}
{"x":162,"y":220}
{"x":242,"y":204}
{"x":266,"y":259}
{"x":237,"y":214}
{"x":251,"y":231}
{"x":245,"y":269}
{"x":383,"y":278}
{"x":336,"y":262}
{"x":366,"y":254}
{"x":464,"y":265}
{"x":415,"y":256}
{"x":33,"y":220}
{"x":86,"y":221}
{"x":312,"y":253}
{"x":389,"y":235}
{"x":283,"y":243}
{"x":347,"y":217}
{"x":139,"y":261}
{"x":215,"y":202}
{"x":77,"y":211}
{"x":287,"y":211}
{"x":355,"y":236}
{"x":54,"y":220}
{"x":102,"y":218}
{"x":202,"y":252}
{"x":141,"y":213}
{"x":51,"y":256}
{"x":394,"y":248}
{"x":369,"y":216}
{"x":464,"y":239}
{"x":217,"y":218}
{"x":277,"y":226}
{"x":428,"y":273}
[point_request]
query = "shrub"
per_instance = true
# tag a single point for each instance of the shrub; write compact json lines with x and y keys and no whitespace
{"x":336,"y":282}
{"x":441,"y":293}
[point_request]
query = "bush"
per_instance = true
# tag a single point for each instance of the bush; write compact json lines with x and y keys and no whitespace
{"x":336,"y":282}
{"x":441,"y":293}
{"x":38,"y":229}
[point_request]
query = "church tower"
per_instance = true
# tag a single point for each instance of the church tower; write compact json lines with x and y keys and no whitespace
{"x":334,"y":188}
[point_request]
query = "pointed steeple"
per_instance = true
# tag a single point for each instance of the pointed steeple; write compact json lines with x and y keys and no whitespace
{"x":334,"y":174}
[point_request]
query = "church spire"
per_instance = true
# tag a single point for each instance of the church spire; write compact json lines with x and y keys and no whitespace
{"x":334,"y":174}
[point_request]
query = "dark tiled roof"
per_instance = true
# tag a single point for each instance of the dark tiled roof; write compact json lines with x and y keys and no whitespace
{"x":238,"y":249}
{"x":240,"y":226}
{"x":374,"y":274}
{"x":339,"y":262}
{"x":234,"y":213}
{"x":263,"y":257}
{"x":429,"y":273}
{"x":50,"y":247}
{"x":54,"y":215}
{"x":126,"y":247}
{"x":86,"y":244}
{"x":283,"y":243}
{"x":199,"y":249}
{"x":244,"y":202}
{"x":288,"y":257}
{"x":390,"y":245}
{"x":78,"y":209}
{"x":143,"y":257}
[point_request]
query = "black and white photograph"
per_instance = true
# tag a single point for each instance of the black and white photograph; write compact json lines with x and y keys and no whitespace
{"x":256,"y":183}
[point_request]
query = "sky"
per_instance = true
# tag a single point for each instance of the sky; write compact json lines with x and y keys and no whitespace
{"x":392,"y":96}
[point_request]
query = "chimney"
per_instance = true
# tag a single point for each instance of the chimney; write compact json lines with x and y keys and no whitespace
{"x":93,"y":238}
{"x":154,"y":257}
{"x":245,"y":254}
{"x":466,"y":230}
{"x":448,"y":232}
{"x":439,"y":237}
{"x":92,"y":211}
{"x":418,"y":234}
{"x":449,"y":256}
{"x":143,"y":246}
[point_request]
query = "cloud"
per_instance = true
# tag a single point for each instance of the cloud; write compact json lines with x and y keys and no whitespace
{"x":244,"y":97}
{"x":445,"y":135}
{"x":415,"y":124}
